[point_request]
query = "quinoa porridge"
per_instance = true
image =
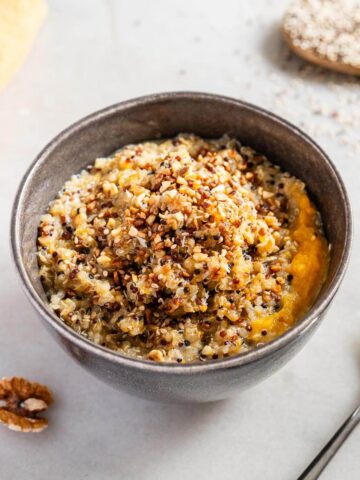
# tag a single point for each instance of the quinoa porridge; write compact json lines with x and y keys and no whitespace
{"x":182,"y":250}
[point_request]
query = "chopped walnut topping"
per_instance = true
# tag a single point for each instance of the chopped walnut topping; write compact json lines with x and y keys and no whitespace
{"x":20,"y":403}
{"x":156,"y":355}
{"x":187,"y":244}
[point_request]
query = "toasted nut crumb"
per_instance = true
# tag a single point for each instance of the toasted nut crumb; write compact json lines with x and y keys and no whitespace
{"x":156,"y":356}
{"x":133,"y":232}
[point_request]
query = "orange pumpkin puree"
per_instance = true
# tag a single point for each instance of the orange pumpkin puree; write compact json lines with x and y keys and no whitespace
{"x":308,"y":268}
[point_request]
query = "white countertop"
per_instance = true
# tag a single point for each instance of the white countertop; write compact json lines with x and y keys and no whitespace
{"x":92,"y":53}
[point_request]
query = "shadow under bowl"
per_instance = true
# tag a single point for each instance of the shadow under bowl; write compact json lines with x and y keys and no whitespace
{"x":162,"y":116}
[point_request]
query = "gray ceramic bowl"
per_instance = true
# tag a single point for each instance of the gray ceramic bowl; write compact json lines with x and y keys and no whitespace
{"x":165,"y":115}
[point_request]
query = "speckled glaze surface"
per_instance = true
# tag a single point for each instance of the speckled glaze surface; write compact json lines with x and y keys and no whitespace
{"x":165,"y":115}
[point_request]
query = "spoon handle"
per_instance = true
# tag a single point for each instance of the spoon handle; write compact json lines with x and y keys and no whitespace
{"x":315,"y":468}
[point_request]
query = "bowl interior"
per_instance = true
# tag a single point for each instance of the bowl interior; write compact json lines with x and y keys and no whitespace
{"x":165,"y":116}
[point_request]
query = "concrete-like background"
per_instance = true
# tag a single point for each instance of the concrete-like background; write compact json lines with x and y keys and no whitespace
{"x":89,"y":54}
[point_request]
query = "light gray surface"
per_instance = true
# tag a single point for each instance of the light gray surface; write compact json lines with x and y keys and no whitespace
{"x":94,"y":53}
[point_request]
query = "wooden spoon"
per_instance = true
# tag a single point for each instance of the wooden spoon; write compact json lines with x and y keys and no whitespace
{"x":313,"y":57}
{"x":325,"y":33}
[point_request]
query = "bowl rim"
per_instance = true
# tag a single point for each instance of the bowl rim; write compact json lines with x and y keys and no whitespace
{"x":306,"y":323}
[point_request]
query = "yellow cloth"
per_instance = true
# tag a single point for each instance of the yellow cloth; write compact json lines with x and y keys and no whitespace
{"x":20,"y":21}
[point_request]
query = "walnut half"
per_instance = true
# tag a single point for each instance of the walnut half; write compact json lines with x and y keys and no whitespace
{"x":20,"y":403}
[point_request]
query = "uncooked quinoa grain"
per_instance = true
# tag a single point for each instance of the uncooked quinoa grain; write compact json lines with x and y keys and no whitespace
{"x":330,"y":28}
{"x":181,"y":250}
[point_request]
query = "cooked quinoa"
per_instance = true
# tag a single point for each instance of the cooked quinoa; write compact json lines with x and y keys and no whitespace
{"x":181,"y":250}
